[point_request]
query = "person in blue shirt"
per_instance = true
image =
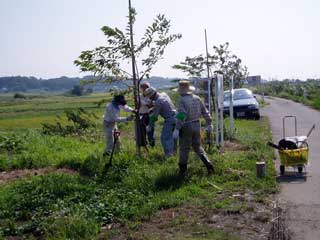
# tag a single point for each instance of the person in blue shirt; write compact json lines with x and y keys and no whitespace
{"x":164,"y":107}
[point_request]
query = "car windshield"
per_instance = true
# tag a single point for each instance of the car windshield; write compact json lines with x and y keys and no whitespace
{"x":238,"y":95}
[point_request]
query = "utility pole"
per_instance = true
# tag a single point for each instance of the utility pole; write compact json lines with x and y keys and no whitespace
{"x":135,"y":82}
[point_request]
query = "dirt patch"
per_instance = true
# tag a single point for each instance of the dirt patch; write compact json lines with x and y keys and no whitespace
{"x":193,"y":221}
{"x":233,"y":146}
{"x":10,"y":176}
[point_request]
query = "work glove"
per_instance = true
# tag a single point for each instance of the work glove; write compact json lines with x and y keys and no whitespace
{"x":148,"y":128}
{"x":175,"y":134}
{"x":210,"y":128}
{"x":129,"y":118}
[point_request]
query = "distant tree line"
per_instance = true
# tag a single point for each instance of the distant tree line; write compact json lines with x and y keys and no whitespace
{"x":24,"y":84}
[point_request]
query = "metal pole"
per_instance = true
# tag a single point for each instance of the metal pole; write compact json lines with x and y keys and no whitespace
{"x":134,"y":78}
{"x":216,"y":110}
{"x":221,"y":118}
{"x":208,"y":74}
{"x":231,"y":109}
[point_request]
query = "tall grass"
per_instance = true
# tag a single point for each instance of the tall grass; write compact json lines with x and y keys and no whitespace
{"x":59,"y":205}
{"x":75,"y":206}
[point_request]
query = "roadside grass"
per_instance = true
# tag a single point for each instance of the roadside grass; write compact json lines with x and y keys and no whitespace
{"x":59,"y":206}
{"x":306,"y":93}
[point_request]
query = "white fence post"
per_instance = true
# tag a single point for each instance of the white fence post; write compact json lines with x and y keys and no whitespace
{"x":231,"y":109}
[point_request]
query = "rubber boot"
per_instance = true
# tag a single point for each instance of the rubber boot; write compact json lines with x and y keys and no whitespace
{"x":207,"y":163}
{"x":182,"y":170}
{"x":105,"y":154}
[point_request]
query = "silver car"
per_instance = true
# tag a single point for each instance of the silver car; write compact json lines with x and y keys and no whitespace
{"x":245,"y":104}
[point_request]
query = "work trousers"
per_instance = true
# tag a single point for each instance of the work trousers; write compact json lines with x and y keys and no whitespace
{"x":190,"y":136}
{"x":109,"y":128}
{"x":144,"y":122}
{"x":167,"y":138}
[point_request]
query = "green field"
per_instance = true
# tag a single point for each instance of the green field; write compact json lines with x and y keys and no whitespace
{"x":79,"y":204}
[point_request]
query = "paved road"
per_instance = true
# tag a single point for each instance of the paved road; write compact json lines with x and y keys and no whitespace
{"x":301,"y":195}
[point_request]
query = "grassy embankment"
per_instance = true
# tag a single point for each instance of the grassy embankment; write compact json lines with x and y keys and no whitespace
{"x":75,"y":206}
{"x":307,"y":92}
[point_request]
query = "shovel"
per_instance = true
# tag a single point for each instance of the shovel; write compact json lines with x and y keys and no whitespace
{"x":116,"y":135}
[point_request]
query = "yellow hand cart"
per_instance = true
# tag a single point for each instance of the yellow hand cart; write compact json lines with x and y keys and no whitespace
{"x":293,"y":151}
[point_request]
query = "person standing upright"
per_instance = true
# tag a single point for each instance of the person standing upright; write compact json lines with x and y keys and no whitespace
{"x":164,"y":107}
{"x":191,"y":108}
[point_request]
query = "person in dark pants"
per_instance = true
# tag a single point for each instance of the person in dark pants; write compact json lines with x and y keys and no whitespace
{"x":164,"y":107}
{"x":147,"y":131}
{"x":191,"y":108}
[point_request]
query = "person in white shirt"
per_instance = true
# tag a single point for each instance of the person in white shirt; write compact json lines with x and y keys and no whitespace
{"x":111,"y":118}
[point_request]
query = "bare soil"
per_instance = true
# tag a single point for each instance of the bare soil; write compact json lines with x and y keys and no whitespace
{"x":14,"y":175}
{"x":184,"y":222}
{"x":233,"y":146}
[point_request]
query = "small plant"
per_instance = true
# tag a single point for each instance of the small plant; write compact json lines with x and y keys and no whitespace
{"x":80,"y":119}
{"x":70,"y":227}
{"x":11,"y":143}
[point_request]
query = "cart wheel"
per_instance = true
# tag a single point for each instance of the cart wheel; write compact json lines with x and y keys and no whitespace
{"x":282,"y":169}
{"x":300,"y":168}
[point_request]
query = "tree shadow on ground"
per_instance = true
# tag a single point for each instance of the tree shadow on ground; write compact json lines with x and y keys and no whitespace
{"x":170,"y":180}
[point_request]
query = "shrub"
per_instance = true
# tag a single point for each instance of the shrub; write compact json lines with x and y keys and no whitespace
{"x":316,"y":103}
{"x":19,"y":95}
{"x":11,"y":143}
{"x":80,"y":121}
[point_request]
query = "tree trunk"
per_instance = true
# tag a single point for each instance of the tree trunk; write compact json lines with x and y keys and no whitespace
{"x":135,"y":85}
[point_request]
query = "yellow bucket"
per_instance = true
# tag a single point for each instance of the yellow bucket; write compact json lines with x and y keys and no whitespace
{"x":294,"y":157}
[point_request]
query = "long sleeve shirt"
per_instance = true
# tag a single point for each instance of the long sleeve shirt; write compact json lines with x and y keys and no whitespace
{"x":164,"y":107}
{"x":193,"y":108}
{"x":112,"y":112}
{"x":144,"y":103}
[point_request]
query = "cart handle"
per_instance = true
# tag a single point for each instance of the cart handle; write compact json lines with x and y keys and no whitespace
{"x":284,"y":127}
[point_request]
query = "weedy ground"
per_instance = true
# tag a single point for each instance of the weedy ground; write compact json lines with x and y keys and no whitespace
{"x":138,"y":197}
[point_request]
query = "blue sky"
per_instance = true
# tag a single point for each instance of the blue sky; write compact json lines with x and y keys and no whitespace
{"x":274,"y":38}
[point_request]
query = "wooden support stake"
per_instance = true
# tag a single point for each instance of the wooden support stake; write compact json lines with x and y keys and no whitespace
{"x":261,"y":169}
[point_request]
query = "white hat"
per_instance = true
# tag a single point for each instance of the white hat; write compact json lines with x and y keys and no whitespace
{"x":185,"y":87}
{"x":149,"y":92}
{"x":145,"y":83}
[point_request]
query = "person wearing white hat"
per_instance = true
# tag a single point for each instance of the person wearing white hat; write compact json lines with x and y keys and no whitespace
{"x":145,"y":107}
{"x":191,"y":108}
{"x":164,"y":107}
